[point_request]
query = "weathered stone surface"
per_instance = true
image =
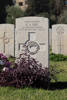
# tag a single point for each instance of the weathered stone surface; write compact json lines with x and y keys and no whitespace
{"x":59,"y":39}
{"x":35,"y":31}
{"x":50,"y":37}
{"x":7,"y":39}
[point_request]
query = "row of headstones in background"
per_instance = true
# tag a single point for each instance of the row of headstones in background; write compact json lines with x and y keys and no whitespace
{"x":59,"y":39}
{"x":31,"y":29}
{"x":50,"y":37}
{"x":35,"y":30}
{"x":7,"y":39}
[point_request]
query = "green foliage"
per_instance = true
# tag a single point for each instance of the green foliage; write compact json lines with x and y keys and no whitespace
{"x":56,"y":6}
{"x":12,"y":60}
{"x":63,"y":17}
{"x":13,"y":13}
{"x":3,"y":5}
{"x":43,"y":14}
{"x":38,"y":6}
{"x":57,"y":57}
{"x":52,"y":19}
{"x":45,"y":8}
{"x":54,"y":71}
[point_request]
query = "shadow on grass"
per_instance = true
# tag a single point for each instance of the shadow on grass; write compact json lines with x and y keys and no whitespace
{"x":48,"y":86}
{"x":57,"y":85}
{"x":53,"y":86}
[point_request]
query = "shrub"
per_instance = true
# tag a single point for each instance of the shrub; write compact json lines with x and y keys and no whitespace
{"x":27,"y":72}
{"x":58,"y":57}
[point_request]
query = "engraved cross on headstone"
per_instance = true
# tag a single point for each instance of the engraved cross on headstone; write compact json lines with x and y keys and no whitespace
{"x":60,"y":32}
{"x":31,"y":37}
{"x":5,"y":41}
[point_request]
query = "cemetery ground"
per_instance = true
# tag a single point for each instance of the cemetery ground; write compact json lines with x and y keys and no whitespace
{"x":57,"y":90}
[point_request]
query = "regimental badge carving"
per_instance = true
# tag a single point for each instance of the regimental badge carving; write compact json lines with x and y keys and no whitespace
{"x":60,"y":30}
{"x":32,"y":47}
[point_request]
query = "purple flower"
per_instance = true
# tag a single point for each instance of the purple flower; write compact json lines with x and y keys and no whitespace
{"x":3,"y":57}
{"x":4,"y":61}
{"x":7,"y":64}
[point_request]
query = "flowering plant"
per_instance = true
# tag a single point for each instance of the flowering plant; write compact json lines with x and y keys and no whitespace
{"x":4,"y":62}
{"x":26,"y":72}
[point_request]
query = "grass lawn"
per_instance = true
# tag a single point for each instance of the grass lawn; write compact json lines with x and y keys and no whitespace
{"x":59,"y":93}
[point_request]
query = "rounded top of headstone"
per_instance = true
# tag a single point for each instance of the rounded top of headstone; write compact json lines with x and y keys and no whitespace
{"x":6,"y":27}
{"x":6,"y":24}
{"x":59,"y":28}
{"x":32,"y":18}
{"x":59,"y":25}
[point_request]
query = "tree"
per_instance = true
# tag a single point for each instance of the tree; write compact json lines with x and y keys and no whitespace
{"x":13,"y":12}
{"x":37,"y":6}
{"x":56,"y":7}
{"x":3,"y":4}
{"x":63,"y":17}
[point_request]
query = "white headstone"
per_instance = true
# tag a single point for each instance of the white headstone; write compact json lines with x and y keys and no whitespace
{"x":35,"y":31}
{"x":7,"y":39}
{"x":59,"y":39}
{"x":50,"y":37}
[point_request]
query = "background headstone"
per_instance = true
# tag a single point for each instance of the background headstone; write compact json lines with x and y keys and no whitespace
{"x":7,"y":39}
{"x":34,"y":30}
{"x":59,"y":39}
{"x":50,"y":37}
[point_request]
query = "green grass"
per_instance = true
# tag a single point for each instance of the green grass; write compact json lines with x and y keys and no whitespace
{"x":61,"y":65}
{"x":32,"y":94}
{"x":10,"y":93}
